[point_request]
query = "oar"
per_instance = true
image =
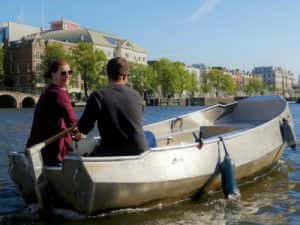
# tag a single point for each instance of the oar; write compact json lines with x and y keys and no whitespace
{"x":39,"y":146}
{"x":36,"y":161}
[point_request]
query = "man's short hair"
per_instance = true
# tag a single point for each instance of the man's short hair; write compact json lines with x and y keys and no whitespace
{"x":117,"y":67}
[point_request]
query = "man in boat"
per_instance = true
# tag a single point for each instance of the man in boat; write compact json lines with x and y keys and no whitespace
{"x":118,"y":110}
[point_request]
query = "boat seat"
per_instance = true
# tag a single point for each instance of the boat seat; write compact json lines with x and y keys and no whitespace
{"x":223,"y":128}
{"x":208,"y":131}
{"x":173,"y":138}
{"x":238,"y":125}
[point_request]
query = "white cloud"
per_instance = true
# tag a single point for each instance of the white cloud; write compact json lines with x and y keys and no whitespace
{"x":205,"y":8}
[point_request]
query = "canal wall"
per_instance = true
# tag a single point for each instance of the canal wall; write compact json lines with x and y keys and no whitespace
{"x":200,"y":101}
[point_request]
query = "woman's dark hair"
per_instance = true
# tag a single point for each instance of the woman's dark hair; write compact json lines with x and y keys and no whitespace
{"x":54,"y":67}
{"x":117,"y":67}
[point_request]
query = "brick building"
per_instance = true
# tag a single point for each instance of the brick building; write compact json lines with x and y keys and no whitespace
{"x":23,"y":54}
{"x":22,"y":63}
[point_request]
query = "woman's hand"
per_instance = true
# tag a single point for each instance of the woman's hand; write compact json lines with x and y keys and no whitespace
{"x":77,"y":135}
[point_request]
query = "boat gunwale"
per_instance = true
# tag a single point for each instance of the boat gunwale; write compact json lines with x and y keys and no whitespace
{"x":187,"y":114}
{"x":213,"y":139}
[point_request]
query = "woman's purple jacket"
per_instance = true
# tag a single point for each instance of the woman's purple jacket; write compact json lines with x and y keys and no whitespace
{"x":53,"y":113}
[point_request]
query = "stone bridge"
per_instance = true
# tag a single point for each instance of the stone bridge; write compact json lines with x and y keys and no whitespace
{"x":15,"y":99}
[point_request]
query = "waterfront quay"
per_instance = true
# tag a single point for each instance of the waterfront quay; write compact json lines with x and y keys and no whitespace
{"x":198,"y":101}
{"x":19,"y":100}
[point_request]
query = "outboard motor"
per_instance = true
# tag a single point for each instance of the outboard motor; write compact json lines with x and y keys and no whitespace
{"x":227,"y":168}
{"x":288,"y":134}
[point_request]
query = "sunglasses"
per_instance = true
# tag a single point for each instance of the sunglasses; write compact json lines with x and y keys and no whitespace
{"x":64,"y":73}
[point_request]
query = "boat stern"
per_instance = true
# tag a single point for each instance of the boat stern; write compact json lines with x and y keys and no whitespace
{"x":19,"y":171}
{"x":72,"y":184}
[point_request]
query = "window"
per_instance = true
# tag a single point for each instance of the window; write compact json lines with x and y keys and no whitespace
{"x":111,"y":40}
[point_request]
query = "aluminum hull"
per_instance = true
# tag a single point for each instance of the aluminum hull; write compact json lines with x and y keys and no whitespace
{"x":177,"y":168}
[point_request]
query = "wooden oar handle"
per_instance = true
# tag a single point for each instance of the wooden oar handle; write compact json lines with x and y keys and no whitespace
{"x":59,"y":135}
{"x":39,"y":146}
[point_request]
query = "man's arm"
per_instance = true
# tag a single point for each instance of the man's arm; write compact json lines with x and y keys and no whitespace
{"x":89,"y":116}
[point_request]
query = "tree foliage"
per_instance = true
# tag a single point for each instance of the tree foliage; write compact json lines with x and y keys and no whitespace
{"x":53,"y":51}
{"x":90,"y":64}
{"x":166,"y":76}
{"x":229,"y":86}
{"x":143,"y":78}
{"x":219,"y":82}
{"x":181,"y":77}
{"x":254,"y":86}
{"x":192,"y":84}
{"x":173,"y":78}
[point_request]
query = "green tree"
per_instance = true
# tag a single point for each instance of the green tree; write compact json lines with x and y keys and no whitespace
{"x":173,"y":78}
{"x":180,"y":77}
{"x":192,"y":84}
{"x":143,"y":78}
{"x":219,"y":82}
{"x":229,"y":86}
{"x":184,"y":80}
{"x":90,"y":64}
{"x":166,"y":76}
{"x":254,"y":86}
{"x":1,"y":63}
{"x":53,"y":51}
{"x":205,"y":86}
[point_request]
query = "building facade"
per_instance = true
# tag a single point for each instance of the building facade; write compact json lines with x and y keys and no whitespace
{"x":23,"y":54}
{"x":111,"y":45}
{"x":22,"y":63}
{"x":12,"y":31}
{"x":276,"y":78}
{"x":64,"y":25}
{"x":203,"y":71}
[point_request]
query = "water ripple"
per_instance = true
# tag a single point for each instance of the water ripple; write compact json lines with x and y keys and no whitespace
{"x":273,"y":198}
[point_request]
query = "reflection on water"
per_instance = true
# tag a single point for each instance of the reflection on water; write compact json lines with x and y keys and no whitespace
{"x":272,"y":198}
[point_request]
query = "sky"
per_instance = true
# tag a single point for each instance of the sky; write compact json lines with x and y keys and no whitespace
{"x":236,"y":34}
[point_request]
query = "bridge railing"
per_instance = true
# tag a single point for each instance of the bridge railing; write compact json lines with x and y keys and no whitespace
{"x":24,"y":90}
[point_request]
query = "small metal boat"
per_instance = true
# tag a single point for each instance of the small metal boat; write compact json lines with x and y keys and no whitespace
{"x":180,"y":166}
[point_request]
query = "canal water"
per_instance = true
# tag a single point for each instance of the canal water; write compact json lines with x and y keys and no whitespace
{"x":273,"y":198}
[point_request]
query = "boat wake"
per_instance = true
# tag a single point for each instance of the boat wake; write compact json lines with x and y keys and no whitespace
{"x":139,"y":209}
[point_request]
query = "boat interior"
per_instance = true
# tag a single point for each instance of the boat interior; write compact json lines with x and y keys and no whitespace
{"x":208,"y":123}
{"x":217,"y":120}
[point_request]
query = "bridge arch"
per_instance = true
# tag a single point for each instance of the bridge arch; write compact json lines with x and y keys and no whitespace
{"x":28,"y":102}
{"x":8,"y":101}
{"x":16,"y":99}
